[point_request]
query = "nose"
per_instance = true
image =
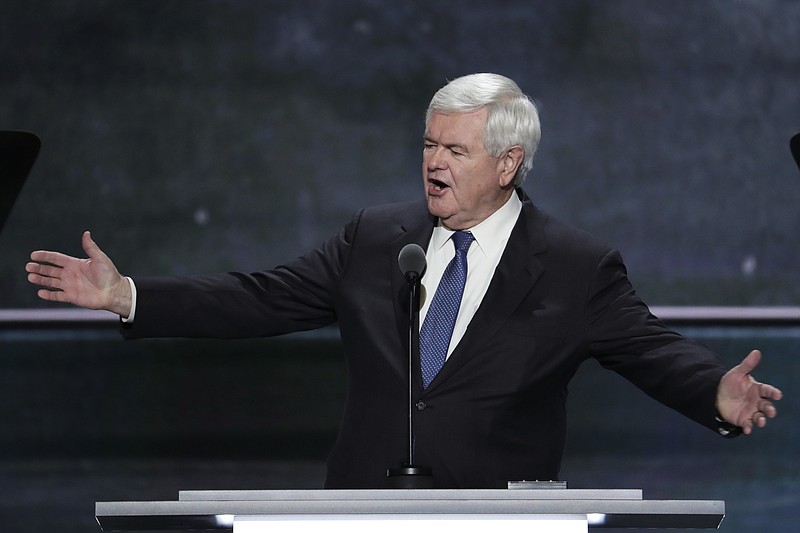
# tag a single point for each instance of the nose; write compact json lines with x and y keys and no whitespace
{"x":435,"y":160}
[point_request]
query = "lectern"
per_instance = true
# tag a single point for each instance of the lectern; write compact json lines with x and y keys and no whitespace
{"x":356,"y":511}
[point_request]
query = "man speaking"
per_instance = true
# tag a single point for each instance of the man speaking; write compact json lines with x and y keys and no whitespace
{"x":513,"y":302}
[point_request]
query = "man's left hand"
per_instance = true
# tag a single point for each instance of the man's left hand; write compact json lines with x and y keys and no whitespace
{"x":743,"y":401}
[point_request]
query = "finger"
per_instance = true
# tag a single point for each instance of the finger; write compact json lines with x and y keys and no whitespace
{"x":51,"y":296}
{"x":52,"y":258}
{"x":769,"y":392}
{"x":767,"y":409}
{"x":758,"y":419}
{"x":48,"y":271}
{"x":32,"y":268}
{"x":44,"y":281}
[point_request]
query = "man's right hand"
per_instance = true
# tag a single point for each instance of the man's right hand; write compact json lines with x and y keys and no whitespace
{"x":93,"y":283}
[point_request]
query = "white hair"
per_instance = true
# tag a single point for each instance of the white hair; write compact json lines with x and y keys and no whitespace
{"x":512,"y":116}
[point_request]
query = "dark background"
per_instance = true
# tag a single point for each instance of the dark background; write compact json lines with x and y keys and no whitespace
{"x":210,"y":135}
{"x":207,"y":135}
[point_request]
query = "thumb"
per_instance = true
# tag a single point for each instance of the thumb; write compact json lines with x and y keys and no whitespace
{"x":750,"y":362}
{"x":90,"y":247}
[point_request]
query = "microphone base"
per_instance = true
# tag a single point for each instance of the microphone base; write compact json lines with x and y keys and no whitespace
{"x":410,"y":477}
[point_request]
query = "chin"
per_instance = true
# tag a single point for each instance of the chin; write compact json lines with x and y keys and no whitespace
{"x":436,"y":208}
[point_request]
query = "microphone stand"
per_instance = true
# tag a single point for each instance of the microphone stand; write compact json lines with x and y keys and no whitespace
{"x":409,"y":475}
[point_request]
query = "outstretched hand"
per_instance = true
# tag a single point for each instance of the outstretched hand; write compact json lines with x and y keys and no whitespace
{"x":743,"y":401}
{"x":93,"y":283}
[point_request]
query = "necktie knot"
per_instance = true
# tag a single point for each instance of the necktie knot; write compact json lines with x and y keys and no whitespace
{"x":462,"y":240}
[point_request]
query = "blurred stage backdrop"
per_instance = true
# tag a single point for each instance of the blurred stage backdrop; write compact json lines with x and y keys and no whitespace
{"x":196,"y":136}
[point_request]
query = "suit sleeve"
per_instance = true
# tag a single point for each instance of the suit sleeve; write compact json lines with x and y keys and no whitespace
{"x":297,"y":296}
{"x":626,"y":338}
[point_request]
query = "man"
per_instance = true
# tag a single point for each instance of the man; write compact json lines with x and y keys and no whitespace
{"x":534,"y":298}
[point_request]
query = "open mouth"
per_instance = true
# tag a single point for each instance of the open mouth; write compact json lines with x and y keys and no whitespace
{"x":437,"y":184}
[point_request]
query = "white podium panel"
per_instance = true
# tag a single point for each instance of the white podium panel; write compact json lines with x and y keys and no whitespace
{"x":518,"y":523}
{"x":292,"y":511}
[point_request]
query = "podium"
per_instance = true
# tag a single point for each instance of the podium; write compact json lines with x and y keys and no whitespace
{"x":289,"y":511}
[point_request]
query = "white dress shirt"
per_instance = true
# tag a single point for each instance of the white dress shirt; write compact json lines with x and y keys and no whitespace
{"x":491,"y":237}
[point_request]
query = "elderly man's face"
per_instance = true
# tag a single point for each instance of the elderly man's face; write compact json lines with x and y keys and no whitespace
{"x":463,"y":183}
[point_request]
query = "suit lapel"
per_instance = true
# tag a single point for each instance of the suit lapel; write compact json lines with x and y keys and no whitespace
{"x":416,"y":230}
{"x":516,"y":274}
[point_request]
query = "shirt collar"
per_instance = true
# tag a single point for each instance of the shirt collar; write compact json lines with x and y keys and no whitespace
{"x":491,"y":234}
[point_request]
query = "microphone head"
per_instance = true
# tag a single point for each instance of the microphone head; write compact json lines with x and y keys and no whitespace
{"x":794,"y":145}
{"x":412,"y":261}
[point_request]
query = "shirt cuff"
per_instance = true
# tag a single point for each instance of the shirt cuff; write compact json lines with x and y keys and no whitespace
{"x":726,"y":429}
{"x":132,"y":312}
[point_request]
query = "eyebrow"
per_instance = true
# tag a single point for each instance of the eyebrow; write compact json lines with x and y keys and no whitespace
{"x":428,"y":138}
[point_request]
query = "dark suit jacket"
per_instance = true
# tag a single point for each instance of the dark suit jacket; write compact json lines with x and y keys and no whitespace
{"x":496,"y":411}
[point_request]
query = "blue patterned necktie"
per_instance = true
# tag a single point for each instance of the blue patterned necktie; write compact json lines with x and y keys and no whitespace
{"x":436,"y":331}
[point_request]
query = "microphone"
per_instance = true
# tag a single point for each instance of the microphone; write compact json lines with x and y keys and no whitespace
{"x":412,"y":264}
{"x":794,"y":145}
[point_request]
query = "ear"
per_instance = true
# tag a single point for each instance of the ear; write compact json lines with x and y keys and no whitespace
{"x":510,"y":162}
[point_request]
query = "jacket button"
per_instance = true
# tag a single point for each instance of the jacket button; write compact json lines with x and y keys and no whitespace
{"x":421,"y":405}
